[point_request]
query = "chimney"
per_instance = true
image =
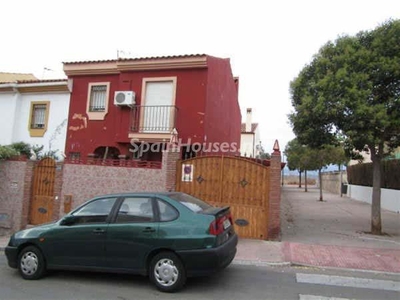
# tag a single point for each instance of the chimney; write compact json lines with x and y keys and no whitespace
{"x":248,"y":120}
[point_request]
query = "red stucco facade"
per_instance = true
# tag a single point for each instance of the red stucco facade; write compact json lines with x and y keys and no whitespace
{"x":206,"y":99}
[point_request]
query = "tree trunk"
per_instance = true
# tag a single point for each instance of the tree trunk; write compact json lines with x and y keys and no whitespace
{"x":320,"y":185}
{"x":305,"y":181}
{"x":299,"y":179}
{"x":341,"y":180}
{"x":376,"y":221}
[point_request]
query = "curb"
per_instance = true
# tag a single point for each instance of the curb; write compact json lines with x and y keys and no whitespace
{"x":344,"y":269}
{"x":260,"y":263}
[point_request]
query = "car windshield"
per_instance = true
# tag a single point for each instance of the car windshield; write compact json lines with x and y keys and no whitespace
{"x":193,"y":203}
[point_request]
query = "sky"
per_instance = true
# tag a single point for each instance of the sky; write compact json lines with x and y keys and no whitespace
{"x":268,"y":42}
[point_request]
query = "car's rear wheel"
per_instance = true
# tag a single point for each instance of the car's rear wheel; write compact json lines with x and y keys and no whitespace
{"x":167,"y":272}
{"x":31,"y":264}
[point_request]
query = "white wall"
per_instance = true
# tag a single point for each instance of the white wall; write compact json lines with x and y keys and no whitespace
{"x":390,"y":199}
{"x":256,"y":141}
{"x":8,"y":102}
{"x":246,"y":145}
{"x":55,"y":135}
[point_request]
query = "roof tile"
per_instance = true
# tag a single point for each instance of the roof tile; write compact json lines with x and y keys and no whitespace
{"x":253,"y":128}
{"x":135,"y":59}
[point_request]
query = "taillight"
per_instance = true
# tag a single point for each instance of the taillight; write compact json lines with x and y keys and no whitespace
{"x":214,"y":228}
{"x":217,"y":226}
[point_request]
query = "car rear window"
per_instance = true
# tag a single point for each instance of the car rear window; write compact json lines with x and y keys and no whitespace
{"x":193,"y":203}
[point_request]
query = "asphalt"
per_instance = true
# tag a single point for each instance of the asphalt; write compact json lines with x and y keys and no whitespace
{"x":329,"y":234}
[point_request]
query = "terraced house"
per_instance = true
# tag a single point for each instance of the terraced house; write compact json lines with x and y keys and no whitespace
{"x":34,"y":111}
{"x":117,"y":105}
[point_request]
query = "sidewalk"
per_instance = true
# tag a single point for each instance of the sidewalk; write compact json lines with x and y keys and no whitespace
{"x":255,"y":252}
{"x":328,"y":234}
{"x":331,"y":234}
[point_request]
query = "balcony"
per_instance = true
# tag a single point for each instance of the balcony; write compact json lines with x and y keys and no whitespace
{"x":154,"y":123}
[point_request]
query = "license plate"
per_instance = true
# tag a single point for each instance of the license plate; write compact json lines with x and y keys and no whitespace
{"x":226,"y":224}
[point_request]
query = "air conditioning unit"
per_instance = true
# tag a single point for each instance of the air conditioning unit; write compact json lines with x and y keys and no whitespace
{"x":122,"y":98}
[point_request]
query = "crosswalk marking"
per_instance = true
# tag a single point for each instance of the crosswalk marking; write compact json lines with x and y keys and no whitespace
{"x":365,"y":283}
{"x":313,"y":297}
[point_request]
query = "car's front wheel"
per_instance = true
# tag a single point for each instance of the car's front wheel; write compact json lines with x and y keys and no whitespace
{"x":31,"y":264}
{"x":167,"y":272}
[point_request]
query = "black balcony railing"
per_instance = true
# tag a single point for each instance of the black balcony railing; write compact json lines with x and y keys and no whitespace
{"x":153,"y":119}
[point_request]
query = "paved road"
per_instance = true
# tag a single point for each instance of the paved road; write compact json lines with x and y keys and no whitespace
{"x":234,"y":283}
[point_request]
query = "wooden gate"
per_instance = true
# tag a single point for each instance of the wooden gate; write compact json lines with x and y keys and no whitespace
{"x":230,"y":181}
{"x":41,"y":206}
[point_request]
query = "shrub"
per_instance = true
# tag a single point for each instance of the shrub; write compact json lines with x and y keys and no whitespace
{"x":22,"y":148}
{"x":7,"y":152}
{"x":361,"y":174}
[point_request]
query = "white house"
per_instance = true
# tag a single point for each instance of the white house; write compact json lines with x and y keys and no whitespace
{"x":35,"y":112}
{"x":250,"y":137}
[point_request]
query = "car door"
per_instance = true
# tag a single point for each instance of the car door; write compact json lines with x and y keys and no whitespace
{"x":132,"y":234}
{"x":82,"y":242}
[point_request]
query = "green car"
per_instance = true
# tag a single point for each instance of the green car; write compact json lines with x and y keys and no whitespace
{"x":167,"y":236}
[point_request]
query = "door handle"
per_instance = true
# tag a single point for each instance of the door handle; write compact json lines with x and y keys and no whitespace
{"x":149,"y":230}
{"x":98,"y":231}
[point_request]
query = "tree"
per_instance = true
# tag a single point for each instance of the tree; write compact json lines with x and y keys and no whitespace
{"x":299,"y":157}
{"x":352,"y":88}
{"x":324,"y":156}
{"x":295,"y":157}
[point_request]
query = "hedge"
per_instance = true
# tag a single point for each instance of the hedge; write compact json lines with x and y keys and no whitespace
{"x":361,"y":174}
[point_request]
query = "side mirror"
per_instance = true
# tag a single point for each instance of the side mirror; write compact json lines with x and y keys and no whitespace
{"x":68,"y":220}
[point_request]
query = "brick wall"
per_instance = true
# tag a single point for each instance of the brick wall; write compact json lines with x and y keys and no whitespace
{"x":29,"y":169}
{"x":14,"y":187}
{"x":274,"y":222}
{"x":83,"y":182}
{"x":58,"y":183}
{"x":169,"y":165}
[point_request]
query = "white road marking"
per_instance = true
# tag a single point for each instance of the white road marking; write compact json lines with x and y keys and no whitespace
{"x":312,"y":297}
{"x":365,"y":283}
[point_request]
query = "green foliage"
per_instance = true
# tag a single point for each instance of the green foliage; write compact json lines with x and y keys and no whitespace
{"x":26,"y":149}
{"x":263,"y":154}
{"x":301,"y":157}
{"x":361,"y":174}
{"x":7,"y":152}
{"x":351,"y":87}
{"x":38,"y":151}
{"x":22,"y":148}
{"x":296,"y":156}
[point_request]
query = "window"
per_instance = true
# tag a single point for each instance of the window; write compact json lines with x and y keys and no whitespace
{"x":38,"y":118}
{"x":159,"y":100}
{"x":95,"y":212}
{"x":135,"y":210}
{"x":193,"y":203}
{"x":97,"y":103}
{"x":167,"y":212}
{"x":98,"y":98}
